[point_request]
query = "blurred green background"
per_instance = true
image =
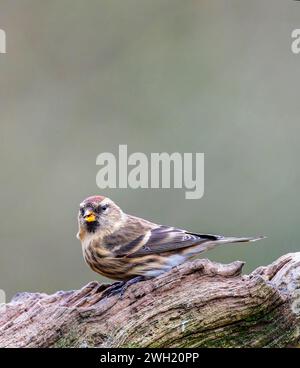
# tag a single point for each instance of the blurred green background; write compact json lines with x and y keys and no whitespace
{"x":81,"y":77}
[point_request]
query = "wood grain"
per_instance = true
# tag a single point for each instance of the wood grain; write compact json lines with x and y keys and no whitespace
{"x":198,"y":304}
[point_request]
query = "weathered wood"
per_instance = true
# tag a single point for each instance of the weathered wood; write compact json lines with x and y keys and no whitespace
{"x":198,"y":304}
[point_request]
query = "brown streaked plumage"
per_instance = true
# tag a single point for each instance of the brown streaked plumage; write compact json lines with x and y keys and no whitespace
{"x":121,"y":247}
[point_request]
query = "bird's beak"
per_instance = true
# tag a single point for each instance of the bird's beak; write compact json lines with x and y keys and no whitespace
{"x":89,"y":216}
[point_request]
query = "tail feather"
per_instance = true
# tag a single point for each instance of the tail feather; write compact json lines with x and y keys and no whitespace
{"x":210,"y":244}
{"x":233,"y":239}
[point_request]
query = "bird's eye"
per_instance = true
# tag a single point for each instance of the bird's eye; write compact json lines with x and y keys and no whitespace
{"x":104,"y":207}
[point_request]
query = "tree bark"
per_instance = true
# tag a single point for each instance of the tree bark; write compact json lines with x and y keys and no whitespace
{"x":198,"y":304}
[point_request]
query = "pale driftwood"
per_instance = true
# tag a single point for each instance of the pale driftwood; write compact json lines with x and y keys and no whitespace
{"x":198,"y":304}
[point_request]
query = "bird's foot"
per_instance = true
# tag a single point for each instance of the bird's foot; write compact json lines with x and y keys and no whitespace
{"x":121,"y":286}
{"x":113,"y":288}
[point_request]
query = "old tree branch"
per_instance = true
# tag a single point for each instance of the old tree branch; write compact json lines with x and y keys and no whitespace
{"x":198,"y":304}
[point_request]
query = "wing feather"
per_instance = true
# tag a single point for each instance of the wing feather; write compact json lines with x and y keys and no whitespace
{"x":162,"y":239}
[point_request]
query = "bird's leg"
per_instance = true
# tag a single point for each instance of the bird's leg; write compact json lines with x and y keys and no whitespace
{"x":131,"y":282}
{"x":121,"y":286}
{"x":113,"y":288}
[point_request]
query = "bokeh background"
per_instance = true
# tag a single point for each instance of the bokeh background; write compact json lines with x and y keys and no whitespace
{"x":81,"y":77}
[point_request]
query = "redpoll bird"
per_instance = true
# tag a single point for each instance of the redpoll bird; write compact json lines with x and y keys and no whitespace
{"x":123,"y":247}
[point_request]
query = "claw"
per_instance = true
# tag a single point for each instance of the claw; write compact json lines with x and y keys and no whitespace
{"x":120,"y":287}
{"x":113,"y":289}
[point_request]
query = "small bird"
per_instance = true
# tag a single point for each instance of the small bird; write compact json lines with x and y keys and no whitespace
{"x":124,"y":247}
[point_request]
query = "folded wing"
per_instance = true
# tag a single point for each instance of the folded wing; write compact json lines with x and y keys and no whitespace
{"x":163,"y":239}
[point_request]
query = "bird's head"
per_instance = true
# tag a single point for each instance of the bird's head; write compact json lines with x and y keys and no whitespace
{"x":98,"y":213}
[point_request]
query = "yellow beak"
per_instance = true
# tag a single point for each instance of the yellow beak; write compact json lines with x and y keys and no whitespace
{"x":89,"y":216}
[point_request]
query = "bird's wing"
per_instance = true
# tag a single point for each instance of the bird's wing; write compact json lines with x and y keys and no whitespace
{"x":162,"y":239}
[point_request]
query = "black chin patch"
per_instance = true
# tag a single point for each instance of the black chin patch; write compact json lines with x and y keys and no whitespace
{"x":92,"y":226}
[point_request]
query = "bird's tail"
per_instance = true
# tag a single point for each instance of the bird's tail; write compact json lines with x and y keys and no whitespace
{"x":220,"y":240}
{"x":232,"y":239}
